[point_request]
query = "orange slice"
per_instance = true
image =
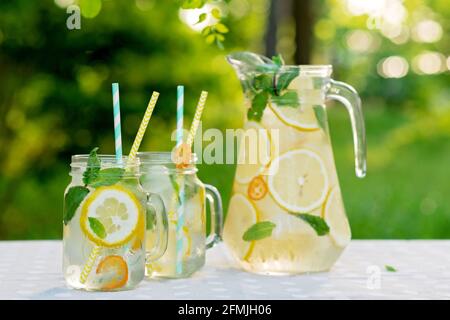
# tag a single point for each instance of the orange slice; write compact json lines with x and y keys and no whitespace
{"x":257,"y":188}
{"x":117,"y":268}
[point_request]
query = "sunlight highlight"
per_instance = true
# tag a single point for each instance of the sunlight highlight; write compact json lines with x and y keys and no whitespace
{"x":190,"y":17}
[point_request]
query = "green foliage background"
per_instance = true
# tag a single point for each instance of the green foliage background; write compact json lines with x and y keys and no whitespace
{"x":55,"y":101}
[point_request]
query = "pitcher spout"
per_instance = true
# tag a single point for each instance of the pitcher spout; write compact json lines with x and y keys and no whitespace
{"x":244,"y":61}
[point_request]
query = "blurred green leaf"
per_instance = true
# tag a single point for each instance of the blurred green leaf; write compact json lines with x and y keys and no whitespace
{"x":201,"y":18}
{"x":210,"y":38}
{"x":220,"y":27}
{"x":90,"y":8}
{"x":215,"y":13}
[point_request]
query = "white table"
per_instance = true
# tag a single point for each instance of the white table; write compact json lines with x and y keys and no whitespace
{"x":32,"y":270}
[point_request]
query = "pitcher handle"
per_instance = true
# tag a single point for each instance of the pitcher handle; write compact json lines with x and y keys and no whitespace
{"x":216,"y":212}
{"x":161,"y":227}
{"x":348,"y":96}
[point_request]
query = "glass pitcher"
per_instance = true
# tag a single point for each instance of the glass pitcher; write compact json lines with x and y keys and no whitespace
{"x":286,"y":213}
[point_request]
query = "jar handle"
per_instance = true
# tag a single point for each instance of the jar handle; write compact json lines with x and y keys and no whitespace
{"x":155,"y":203}
{"x":216,"y":215}
{"x":348,"y":96}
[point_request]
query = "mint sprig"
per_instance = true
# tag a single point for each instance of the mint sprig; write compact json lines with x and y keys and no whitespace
{"x":96,"y":177}
{"x":92,"y":168}
{"x":72,"y":199}
{"x":317,"y":223}
{"x":259,"y":231}
{"x":272,"y":83}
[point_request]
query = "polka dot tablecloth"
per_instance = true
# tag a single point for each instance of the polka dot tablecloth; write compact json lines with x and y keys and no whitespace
{"x":32,"y":270}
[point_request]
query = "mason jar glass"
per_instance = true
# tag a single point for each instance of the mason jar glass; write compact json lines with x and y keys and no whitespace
{"x":105,"y":219}
{"x":184,"y":196}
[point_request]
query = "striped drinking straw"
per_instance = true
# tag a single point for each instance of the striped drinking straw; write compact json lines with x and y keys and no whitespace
{"x":140,"y":134}
{"x":118,"y":144}
{"x":180,"y":213}
{"x":117,"y":129}
{"x":197,"y":116}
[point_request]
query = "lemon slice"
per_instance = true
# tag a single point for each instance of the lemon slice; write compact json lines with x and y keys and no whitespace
{"x":111,"y":216}
{"x":335,"y":217}
{"x":302,"y":117}
{"x":298,"y":180}
{"x":254,"y":152}
{"x":241,"y":216}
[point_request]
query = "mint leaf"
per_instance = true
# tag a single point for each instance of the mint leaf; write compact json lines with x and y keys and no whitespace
{"x":263,"y":82}
{"x":92,"y":168}
{"x":259,"y":231}
{"x":289,"y":99}
{"x":254,"y":115}
{"x":72,"y":200}
{"x":285,"y":79}
{"x":97,"y":227}
{"x":107,"y":177}
{"x":259,"y":101}
{"x":278,"y":60}
{"x":321,"y":116}
{"x":317,"y":223}
{"x":390,"y":268}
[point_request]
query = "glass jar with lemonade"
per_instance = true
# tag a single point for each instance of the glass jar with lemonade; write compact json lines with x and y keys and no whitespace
{"x":104,"y":224}
{"x":185,"y":196}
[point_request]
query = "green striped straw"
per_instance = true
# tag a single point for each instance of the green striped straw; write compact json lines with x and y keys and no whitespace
{"x":117,"y":129}
{"x":118,"y":143}
{"x":180,"y":213}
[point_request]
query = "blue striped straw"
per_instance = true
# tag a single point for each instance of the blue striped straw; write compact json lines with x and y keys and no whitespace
{"x":180,"y":213}
{"x":117,"y":130}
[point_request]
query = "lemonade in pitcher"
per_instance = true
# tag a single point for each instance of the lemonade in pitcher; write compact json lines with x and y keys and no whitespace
{"x":286,"y":213}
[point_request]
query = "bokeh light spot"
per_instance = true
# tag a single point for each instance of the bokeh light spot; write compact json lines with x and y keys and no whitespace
{"x":427,"y":31}
{"x":429,"y":63}
{"x":393,"y":67}
{"x":361,"y":41}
